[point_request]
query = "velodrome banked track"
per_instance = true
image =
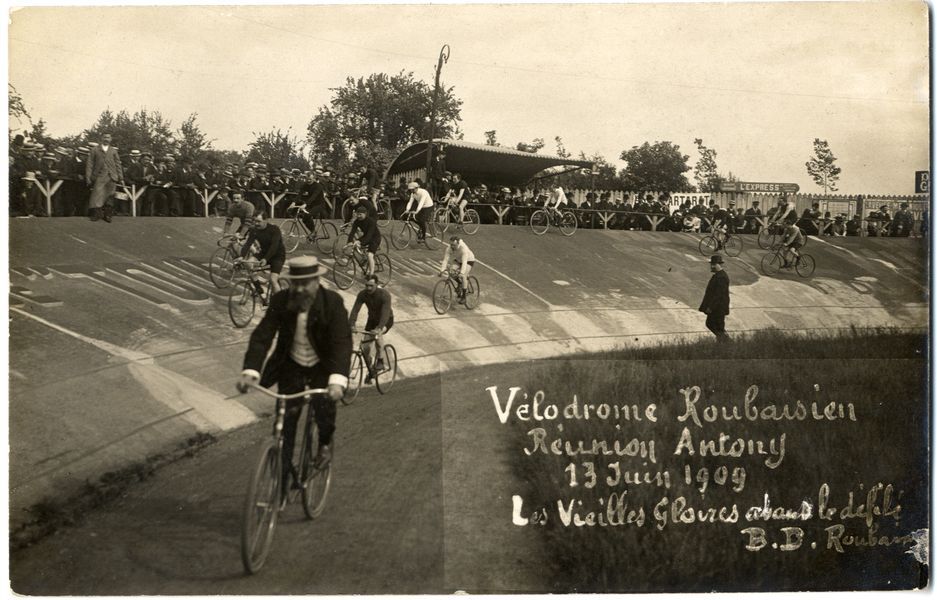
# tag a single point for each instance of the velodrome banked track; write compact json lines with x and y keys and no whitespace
{"x":121,"y":348}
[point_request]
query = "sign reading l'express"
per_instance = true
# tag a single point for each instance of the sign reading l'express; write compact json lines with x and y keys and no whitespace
{"x":754,"y":186}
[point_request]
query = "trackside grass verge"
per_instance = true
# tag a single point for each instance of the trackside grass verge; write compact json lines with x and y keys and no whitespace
{"x":51,"y":514}
{"x":703,"y":454}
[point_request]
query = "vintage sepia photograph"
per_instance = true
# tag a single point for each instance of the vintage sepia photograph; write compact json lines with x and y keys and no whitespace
{"x":405,"y":299}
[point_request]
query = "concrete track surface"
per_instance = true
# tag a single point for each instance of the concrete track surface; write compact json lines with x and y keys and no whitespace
{"x":121,"y":348}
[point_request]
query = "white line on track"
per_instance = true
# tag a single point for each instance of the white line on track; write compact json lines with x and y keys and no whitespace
{"x":100,"y":344}
{"x":515,"y":282}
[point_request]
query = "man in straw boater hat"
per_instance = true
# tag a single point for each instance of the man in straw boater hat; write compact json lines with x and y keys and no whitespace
{"x":313,"y":348}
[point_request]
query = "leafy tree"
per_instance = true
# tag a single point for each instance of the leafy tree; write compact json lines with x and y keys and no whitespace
{"x":373,"y":119}
{"x":821,"y":167}
{"x":706,"y":173}
{"x":655,"y":168}
{"x":192,"y":143}
{"x":39,"y":134}
{"x":561,"y":150}
{"x":491,"y":138}
{"x":16,"y":108}
{"x":144,"y":130}
{"x":532,"y":147}
{"x":278,"y":149}
{"x":222,"y":157}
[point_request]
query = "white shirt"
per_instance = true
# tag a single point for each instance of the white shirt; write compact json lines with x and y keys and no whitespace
{"x":462,"y":255}
{"x":422,"y":198}
{"x":302,"y":351}
{"x":557,"y":194}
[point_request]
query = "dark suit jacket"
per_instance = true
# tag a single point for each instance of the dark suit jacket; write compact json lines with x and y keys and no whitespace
{"x":327,"y":328}
{"x":102,"y":163}
{"x":716,"y":299}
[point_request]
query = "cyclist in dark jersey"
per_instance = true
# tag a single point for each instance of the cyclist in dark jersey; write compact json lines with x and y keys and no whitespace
{"x":370,"y":239}
{"x":272,"y":252}
{"x":380,"y":317}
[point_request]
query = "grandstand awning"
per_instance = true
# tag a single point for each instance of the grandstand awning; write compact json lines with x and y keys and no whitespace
{"x":479,"y":163}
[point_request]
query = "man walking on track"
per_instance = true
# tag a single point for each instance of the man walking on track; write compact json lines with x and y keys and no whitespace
{"x":103,"y":171}
{"x":716,"y":300}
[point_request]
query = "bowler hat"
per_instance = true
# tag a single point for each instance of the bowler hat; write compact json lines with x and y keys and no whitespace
{"x":302,"y":267}
{"x":715,"y":259}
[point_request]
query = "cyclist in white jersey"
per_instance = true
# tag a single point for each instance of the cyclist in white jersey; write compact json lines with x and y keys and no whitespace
{"x":463,"y":258}
{"x":558,"y":198}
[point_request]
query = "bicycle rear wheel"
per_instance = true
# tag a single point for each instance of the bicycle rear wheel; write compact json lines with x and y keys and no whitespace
{"x":344,"y":275}
{"x":733,"y":246}
{"x":292,"y":232}
{"x":383,"y":269}
{"x":221,"y":267}
{"x":771,"y":263}
{"x":261,"y":508}
{"x":539,"y":222}
{"x":805,"y":265}
{"x":326,"y":237}
{"x":708,"y":245}
{"x":471,"y":222}
{"x":241,"y":303}
{"x":442,"y":296}
{"x":472,"y":293}
{"x":568,"y":223}
{"x":355,"y":375}
{"x":385,"y":214}
{"x":400,"y":235}
{"x":766,"y":238}
{"x":433,"y":235}
{"x":316,"y":482}
{"x":385,"y":378}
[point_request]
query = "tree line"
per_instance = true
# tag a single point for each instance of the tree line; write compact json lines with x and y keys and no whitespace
{"x":369,"y":120}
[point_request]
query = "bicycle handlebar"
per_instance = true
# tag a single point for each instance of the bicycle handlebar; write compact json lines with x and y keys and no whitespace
{"x":302,"y":394}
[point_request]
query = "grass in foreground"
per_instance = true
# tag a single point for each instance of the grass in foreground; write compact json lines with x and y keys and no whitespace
{"x":880,"y":377}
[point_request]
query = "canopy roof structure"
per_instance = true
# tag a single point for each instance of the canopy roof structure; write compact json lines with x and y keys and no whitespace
{"x":481,"y":163}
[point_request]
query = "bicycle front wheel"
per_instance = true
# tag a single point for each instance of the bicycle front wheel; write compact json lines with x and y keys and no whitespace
{"x":355,"y":375}
{"x":539,"y":222}
{"x":291,"y":231}
{"x":442,"y":296}
{"x":316,"y":482}
{"x":326,"y":237}
{"x":221,"y":267}
{"x":441,"y":217}
{"x":385,"y":214}
{"x":400,"y":234}
{"x":568,"y":223}
{"x":472,"y":293}
{"x":708,"y":245}
{"x":471,"y":222}
{"x":383,"y":269}
{"x":385,"y":378}
{"x":733,"y":246}
{"x":261,"y":508}
{"x":344,"y":274}
{"x":771,"y":263}
{"x":241,"y":303}
{"x":805,"y":265}
{"x":766,"y":238}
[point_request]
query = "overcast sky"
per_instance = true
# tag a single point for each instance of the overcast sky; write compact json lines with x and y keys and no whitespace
{"x":758,"y":82}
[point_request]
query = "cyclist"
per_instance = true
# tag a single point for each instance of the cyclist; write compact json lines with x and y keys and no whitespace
{"x":458,"y":194}
{"x":380,"y":318}
{"x":244,"y":211}
{"x":793,"y":240}
{"x":312,"y":201}
{"x":558,"y":198}
{"x":462,"y":256}
{"x":722,"y":223}
{"x":422,"y":204}
{"x":272,"y":252}
{"x":313,"y":348}
{"x":370,"y":239}
{"x":357,"y":200}
{"x":785,"y":207}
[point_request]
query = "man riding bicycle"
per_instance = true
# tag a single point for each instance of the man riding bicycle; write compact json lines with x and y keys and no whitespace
{"x":380,"y":318}
{"x":463,"y":259}
{"x":458,"y":194}
{"x":360,"y":200}
{"x":313,"y":349}
{"x":272,"y":252}
{"x":722,"y":223}
{"x":558,"y":198}
{"x":785,"y":207}
{"x":244,"y":211}
{"x":793,"y":240}
{"x":422,"y":204}
{"x":370,"y":239}
{"x":312,"y":199}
